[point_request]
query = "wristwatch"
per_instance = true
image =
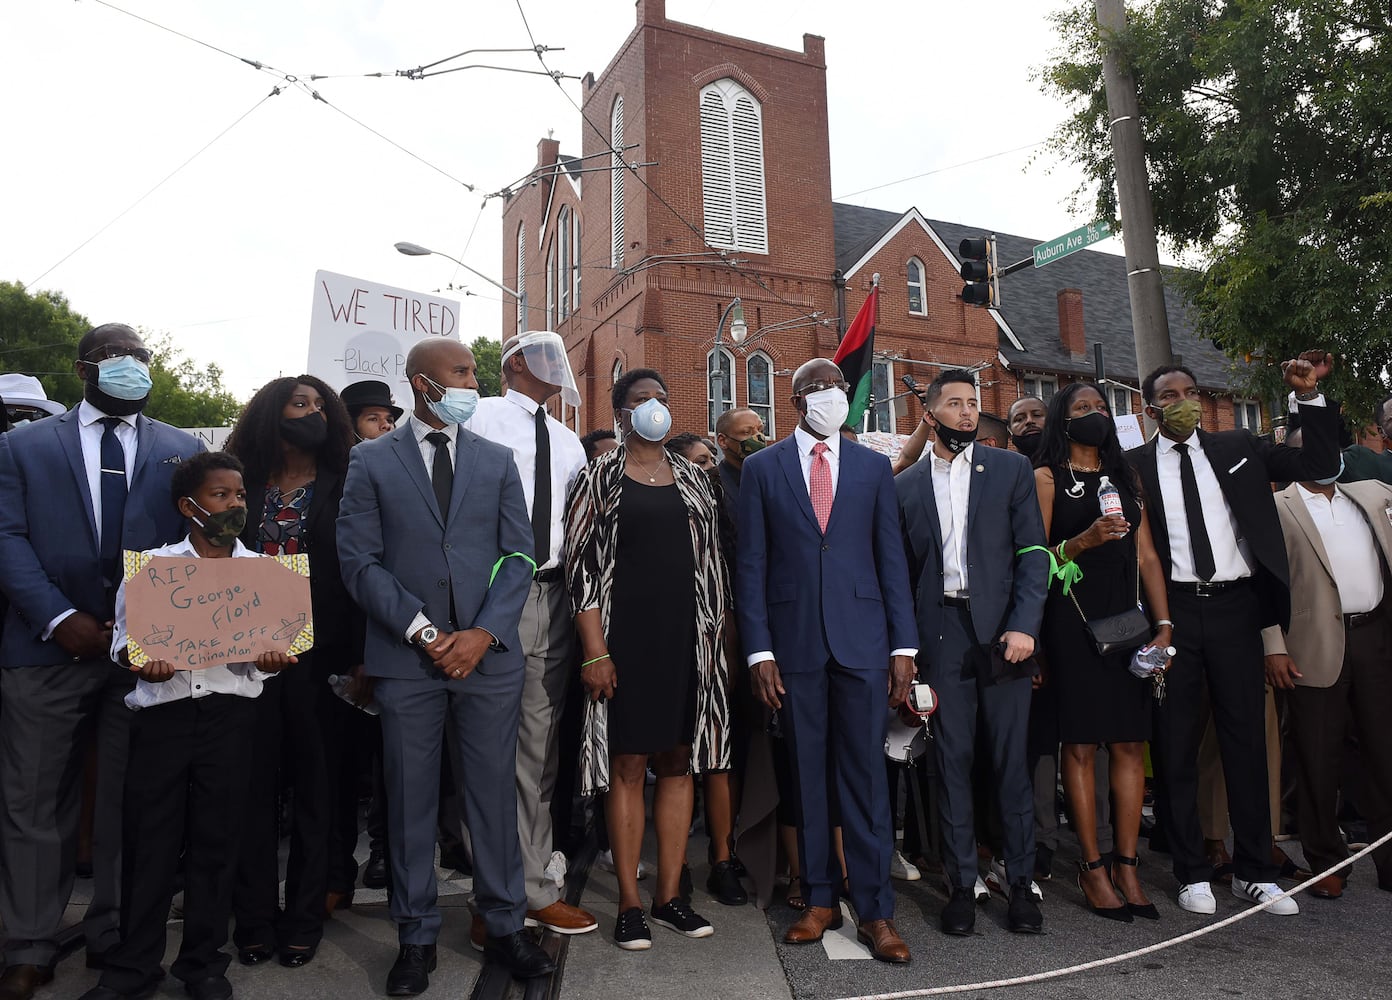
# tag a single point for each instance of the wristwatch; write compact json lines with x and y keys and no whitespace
{"x":426,"y":636}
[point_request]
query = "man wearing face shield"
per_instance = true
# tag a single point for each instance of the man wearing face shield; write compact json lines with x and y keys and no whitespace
{"x":75,"y":489}
{"x":548,"y":455}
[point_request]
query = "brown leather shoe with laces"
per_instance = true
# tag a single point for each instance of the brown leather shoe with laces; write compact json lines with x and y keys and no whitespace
{"x":883,"y":941}
{"x":814,"y":922}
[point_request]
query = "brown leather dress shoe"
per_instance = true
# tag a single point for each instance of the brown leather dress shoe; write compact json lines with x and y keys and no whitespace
{"x":883,"y":941}
{"x":20,"y":981}
{"x":1217,"y":854}
{"x":337,"y":901}
{"x":1329,"y":887}
{"x":814,"y":922}
{"x":562,"y":918}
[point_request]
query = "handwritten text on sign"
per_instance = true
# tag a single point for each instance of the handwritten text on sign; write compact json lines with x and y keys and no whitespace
{"x":362,"y":330}
{"x":199,"y":613}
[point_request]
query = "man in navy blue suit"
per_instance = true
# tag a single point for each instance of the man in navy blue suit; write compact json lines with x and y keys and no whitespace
{"x":967,"y":516}
{"x":75,"y":490}
{"x":826,"y":622}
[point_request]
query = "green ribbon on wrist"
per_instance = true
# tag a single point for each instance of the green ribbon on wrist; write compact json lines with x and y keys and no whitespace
{"x":511,"y":555}
{"x":1067,"y":574}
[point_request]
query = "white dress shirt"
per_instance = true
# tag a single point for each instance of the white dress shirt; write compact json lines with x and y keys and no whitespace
{"x":805,"y":443}
{"x":242,"y":680}
{"x":1232,"y":559}
{"x":510,"y":421}
{"x":952,"y":480}
{"x":90,"y":431}
{"x":1351,"y":547}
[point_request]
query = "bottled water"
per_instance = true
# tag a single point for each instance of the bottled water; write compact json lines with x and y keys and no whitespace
{"x":339,"y":683}
{"x":1150,"y":660}
{"x":1108,"y":498}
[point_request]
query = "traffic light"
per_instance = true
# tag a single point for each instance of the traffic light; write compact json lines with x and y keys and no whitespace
{"x":980,"y":272}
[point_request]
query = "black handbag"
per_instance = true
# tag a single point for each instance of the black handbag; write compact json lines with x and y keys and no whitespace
{"x":1121,"y":633}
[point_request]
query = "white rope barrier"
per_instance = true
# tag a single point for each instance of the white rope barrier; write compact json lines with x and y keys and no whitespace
{"x":1039,"y":977}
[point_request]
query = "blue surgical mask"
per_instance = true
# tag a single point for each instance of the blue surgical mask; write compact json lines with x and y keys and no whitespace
{"x":455,"y":406}
{"x":123,"y":378}
{"x":1334,"y":478}
{"x":651,"y":420}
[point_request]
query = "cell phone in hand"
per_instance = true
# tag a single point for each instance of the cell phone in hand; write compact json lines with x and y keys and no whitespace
{"x":912,"y":386}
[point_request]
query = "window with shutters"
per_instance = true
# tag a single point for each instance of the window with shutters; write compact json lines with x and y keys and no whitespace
{"x":918,"y":302}
{"x":758,"y":389}
{"x":720,"y":368}
{"x":551,"y":288}
{"x":521,"y":277}
{"x":616,"y":182}
{"x":732,"y":168}
{"x":563,"y":266}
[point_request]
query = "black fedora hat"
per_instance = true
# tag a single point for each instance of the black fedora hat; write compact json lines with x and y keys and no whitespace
{"x":360,"y":395}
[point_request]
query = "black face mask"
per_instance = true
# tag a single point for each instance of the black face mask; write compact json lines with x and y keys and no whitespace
{"x":956,"y":441}
{"x":1091,"y":429}
{"x":108,"y":403}
{"x":306,"y":433}
{"x":1027,"y":444}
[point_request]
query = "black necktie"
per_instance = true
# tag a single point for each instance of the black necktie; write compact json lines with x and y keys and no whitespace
{"x":541,"y":492}
{"x":113,"y":501}
{"x":1193,"y":513}
{"x":441,"y":471}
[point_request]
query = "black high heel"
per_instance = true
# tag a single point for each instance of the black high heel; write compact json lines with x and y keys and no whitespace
{"x":1145,"y":910}
{"x":1121,"y":914}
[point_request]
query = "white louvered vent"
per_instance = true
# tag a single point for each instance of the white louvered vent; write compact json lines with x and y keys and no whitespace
{"x":616,"y":205}
{"x":521,"y":277}
{"x":732,"y":168}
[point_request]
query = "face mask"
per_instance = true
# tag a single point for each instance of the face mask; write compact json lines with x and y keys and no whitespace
{"x":1181,"y":418}
{"x":1027,"y":444}
{"x":1091,"y":429}
{"x":826,"y":410}
{"x":123,"y":378}
{"x":650,"y":420}
{"x":455,"y":406}
{"x":306,"y":433}
{"x":1334,"y":478}
{"x":956,"y":441}
{"x":224,"y":527}
{"x":752,"y":444}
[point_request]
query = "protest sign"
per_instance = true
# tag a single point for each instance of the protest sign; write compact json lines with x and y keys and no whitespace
{"x":362,"y":330}
{"x":199,"y":613}
{"x":1129,"y":431}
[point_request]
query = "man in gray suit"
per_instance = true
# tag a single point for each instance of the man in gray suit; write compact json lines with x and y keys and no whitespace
{"x":75,"y":490}
{"x":436,"y":548}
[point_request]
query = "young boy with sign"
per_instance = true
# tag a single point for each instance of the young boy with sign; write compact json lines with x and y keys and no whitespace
{"x":190,"y":741}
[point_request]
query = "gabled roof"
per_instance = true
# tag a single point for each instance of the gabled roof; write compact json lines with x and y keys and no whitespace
{"x":1029,"y":299}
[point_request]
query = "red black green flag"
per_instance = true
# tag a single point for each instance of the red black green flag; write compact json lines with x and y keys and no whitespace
{"x":855,"y":356}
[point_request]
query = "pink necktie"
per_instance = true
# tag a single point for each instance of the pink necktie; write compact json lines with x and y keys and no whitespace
{"x":819,"y":485}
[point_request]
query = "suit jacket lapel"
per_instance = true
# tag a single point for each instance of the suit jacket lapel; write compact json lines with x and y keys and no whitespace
{"x":408,"y":451}
{"x":70,"y":434}
{"x":144,"y":442}
{"x":465,"y":453}
{"x":927,"y":500}
{"x":976,"y":486}
{"x":1295,"y":503}
{"x":791,"y":461}
{"x":1148,"y":469}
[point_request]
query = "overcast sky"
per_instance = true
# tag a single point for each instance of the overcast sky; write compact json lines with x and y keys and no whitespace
{"x":101,"y":106}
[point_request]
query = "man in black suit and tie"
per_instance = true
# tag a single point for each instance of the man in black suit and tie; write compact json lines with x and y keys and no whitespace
{"x":1219,"y":538}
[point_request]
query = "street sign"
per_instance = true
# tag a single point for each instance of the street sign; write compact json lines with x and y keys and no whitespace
{"x":1093,"y":232}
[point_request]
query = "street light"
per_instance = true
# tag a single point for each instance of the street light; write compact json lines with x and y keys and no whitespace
{"x":739,"y":329}
{"x":416,"y":250}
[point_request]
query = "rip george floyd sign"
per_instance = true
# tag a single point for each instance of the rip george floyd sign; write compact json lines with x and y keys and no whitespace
{"x":199,"y":613}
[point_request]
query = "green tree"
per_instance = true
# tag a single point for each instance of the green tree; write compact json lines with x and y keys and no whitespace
{"x":1268,"y":131}
{"x":488,"y":356}
{"x":186,"y":394}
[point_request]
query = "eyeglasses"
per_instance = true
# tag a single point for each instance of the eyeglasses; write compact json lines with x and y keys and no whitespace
{"x":115,"y":351}
{"x":819,"y":386}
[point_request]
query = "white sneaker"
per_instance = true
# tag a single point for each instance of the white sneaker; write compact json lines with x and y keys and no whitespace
{"x":556,"y":868}
{"x":1197,"y":897}
{"x":1260,"y":892}
{"x":982,"y":894}
{"x":900,"y":868}
{"x":604,"y":861}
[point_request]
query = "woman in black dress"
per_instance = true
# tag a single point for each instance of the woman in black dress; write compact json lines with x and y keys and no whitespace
{"x":1100,"y":701}
{"x":650,"y":591}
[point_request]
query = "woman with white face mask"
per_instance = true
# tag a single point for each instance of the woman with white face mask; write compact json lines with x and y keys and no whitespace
{"x":650,"y":590}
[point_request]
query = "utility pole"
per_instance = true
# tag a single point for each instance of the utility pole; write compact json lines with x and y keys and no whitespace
{"x":1143,"y":277}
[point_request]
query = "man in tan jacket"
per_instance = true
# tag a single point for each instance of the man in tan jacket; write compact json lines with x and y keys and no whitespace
{"x":1334,"y":661}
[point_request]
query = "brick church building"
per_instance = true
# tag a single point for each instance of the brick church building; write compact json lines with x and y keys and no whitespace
{"x":634,"y":265}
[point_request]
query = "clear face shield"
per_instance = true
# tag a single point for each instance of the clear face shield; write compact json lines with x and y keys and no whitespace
{"x":545,"y":355}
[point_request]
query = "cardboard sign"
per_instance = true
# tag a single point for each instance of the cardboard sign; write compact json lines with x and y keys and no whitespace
{"x":362,"y":330}
{"x":200,"y":613}
{"x":1129,"y":431}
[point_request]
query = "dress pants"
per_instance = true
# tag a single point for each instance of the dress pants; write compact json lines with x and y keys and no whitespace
{"x":953,"y":673}
{"x":483,"y":710}
{"x":834,"y":722}
{"x":547,"y":632}
{"x":1213,"y":791}
{"x":1218,"y":642}
{"x":1319,"y":722}
{"x":289,"y":741}
{"x":49,"y":715}
{"x":186,"y":784}
{"x":353,"y":739}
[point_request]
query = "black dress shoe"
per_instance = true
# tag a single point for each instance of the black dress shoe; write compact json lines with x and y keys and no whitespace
{"x":410,"y":976}
{"x":255,"y":954}
{"x":724,"y":885}
{"x":959,"y":915}
{"x":375,"y":871}
{"x":455,"y":859}
{"x":519,"y":953}
{"x":1024,"y":915}
{"x":212,"y":988}
{"x":294,"y":958}
{"x":97,"y":959}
